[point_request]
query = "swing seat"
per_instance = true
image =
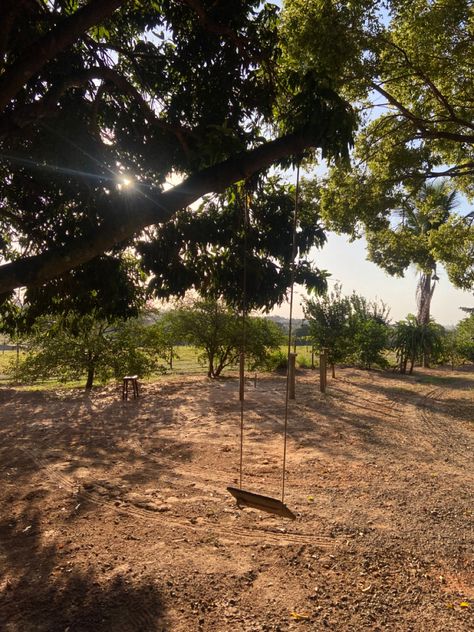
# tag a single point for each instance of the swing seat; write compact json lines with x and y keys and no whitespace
{"x":258,"y":501}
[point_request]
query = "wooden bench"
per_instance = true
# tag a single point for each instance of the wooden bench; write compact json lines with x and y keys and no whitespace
{"x":133,"y":381}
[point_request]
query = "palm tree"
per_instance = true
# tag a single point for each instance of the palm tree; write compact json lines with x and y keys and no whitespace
{"x":431,"y":209}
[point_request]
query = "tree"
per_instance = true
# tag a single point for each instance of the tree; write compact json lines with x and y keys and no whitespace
{"x":350,"y":328}
{"x":102,"y":101}
{"x":409,"y":67}
{"x":329,"y":324}
{"x":69,"y":347}
{"x":207,"y":249}
{"x":406,"y":66}
{"x":370,"y":332}
{"x":219,"y":333}
{"x":411,"y":240}
{"x":465,"y":338}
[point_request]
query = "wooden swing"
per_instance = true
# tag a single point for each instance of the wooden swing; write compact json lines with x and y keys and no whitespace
{"x":244,"y":497}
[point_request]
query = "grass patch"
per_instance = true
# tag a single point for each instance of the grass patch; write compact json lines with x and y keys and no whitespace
{"x":185,"y":362}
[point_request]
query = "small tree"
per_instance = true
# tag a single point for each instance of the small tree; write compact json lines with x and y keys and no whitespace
{"x":370,"y":341}
{"x":412,"y":341}
{"x":370,"y":332}
{"x":72,"y":346}
{"x":329,"y":324}
{"x":218,"y":332}
{"x":465,"y":338}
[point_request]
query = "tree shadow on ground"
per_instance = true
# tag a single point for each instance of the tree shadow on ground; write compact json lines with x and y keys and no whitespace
{"x":88,"y":435}
{"x":41,"y":592}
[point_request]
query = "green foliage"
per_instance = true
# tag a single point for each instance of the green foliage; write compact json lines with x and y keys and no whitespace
{"x":73,"y":346}
{"x":276,"y":361}
{"x":465,"y":338}
{"x":218,"y":332}
{"x":370,"y":342}
{"x":370,"y":332}
{"x":403,"y":226}
{"x":453,"y":244}
{"x":207,"y":87}
{"x":413,"y":340}
{"x":304,"y":363}
{"x":206,"y":250}
{"x":109,"y":287}
{"x":414,"y":60}
{"x":329,"y":318}
{"x":350,"y":328}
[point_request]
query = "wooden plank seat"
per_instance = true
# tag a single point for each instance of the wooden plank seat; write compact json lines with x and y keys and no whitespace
{"x":131,"y":380}
{"x":258,"y":501}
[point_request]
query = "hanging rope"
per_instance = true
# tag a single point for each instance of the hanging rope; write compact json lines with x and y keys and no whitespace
{"x":290,"y":325}
{"x":245,"y":221}
{"x":244,"y":497}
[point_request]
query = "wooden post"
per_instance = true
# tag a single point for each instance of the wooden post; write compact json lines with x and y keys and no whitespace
{"x":241,"y":376}
{"x":312,"y":357}
{"x":292,"y":375}
{"x":322,"y":370}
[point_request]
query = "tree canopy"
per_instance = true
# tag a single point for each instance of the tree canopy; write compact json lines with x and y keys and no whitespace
{"x":410,"y":65}
{"x":408,"y":69}
{"x":102,"y":101}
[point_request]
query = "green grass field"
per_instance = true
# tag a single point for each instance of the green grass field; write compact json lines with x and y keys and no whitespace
{"x":185,"y":362}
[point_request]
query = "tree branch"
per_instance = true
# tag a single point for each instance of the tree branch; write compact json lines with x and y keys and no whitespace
{"x":419,"y":123}
{"x":48,"y":105}
{"x":422,"y":124}
{"x":40,"y":52}
{"x":211,"y":26}
{"x":135,"y":211}
{"x":431,"y":85}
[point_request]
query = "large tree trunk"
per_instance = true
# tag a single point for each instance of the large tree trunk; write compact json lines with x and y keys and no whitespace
{"x":425,"y":294}
{"x":425,"y":291}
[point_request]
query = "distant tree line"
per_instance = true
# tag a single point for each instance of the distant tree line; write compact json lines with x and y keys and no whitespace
{"x":353,"y":330}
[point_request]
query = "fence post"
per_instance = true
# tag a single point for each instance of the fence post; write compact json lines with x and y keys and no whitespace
{"x":292,"y":375}
{"x":241,"y":376}
{"x":322,"y":370}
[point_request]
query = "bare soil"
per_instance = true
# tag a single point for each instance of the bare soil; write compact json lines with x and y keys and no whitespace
{"x":115,"y":515}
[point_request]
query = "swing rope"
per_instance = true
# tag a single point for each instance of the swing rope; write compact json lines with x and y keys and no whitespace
{"x":245,"y":221}
{"x":290,"y":325}
{"x":245,"y":224}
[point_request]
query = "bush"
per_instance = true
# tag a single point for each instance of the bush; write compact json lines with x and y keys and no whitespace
{"x":370,"y":341}
{"x":276,"y":361}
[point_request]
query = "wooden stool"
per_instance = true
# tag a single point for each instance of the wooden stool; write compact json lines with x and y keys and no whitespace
{"x":133,"y":380}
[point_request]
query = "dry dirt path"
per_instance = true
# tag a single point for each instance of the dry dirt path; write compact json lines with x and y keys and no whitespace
{"x":115,"y":515}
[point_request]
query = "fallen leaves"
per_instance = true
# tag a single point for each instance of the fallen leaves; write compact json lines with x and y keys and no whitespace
{"x":299,"y":616}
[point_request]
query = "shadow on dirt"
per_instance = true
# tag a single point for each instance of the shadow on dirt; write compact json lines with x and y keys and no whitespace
{"x":42,"y":592}
{"x":79,"y":435}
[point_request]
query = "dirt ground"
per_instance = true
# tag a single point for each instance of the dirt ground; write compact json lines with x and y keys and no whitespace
{"x":115,"y":515}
